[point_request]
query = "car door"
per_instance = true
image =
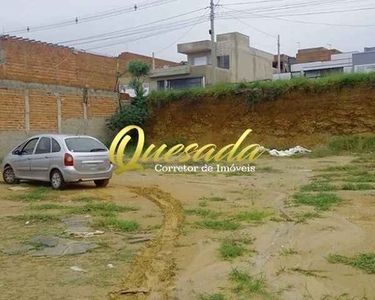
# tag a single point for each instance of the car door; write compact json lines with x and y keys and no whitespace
{"x":40,"y":160}
{"x":21,"y":163}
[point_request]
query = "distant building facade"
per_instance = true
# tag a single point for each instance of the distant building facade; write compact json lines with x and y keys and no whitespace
{"x":364,"y":62}
{"x":236,"y":61}
{"x":313,"y":63}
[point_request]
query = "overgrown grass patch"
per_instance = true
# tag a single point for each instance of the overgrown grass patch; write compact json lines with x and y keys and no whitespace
{"x":216,"y":296}
{"x":354,"y":143}
{"x":256,"y":216}
{"x":85,"y":198}
{"x":318,"y":187}
{"x":363,"y":261}
{"x":230,"y":248}
{"x":47,"y":206}
{"x":106,"y":209}
{"x":116,"y":224}
{"x":344,"y":168}
{"x":321,"y":201}
{"x":36,"y":217}
{"x":246,"y":285}
{"x":36,"y":194}
{"x":202,"y":212}
{"x":363,"y":177}
{"x":256,"y":92}
{"x":357,"y":187}
{"x":218,"y":224}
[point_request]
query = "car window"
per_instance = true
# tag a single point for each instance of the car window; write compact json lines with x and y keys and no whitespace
{"x":19,"y":147}
{"x":55,"y":146}
{"x":44,"y":146}
{"x":82,"y":144}
{"x":29,"y":147}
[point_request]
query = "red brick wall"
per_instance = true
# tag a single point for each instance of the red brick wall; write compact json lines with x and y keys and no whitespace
{"x":43,"y":111}
{"x":12,"y":103}
{"x":101,"y":107}
{"x":31,"y":61}
{"x":71,"y":107}
{"x":43,"y":114}
{"x":304,"y":56}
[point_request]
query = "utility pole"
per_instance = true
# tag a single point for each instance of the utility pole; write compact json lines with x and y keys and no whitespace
{"x":278,"y":57}
{"x":153,"y":60}
{"x":213,"y":45}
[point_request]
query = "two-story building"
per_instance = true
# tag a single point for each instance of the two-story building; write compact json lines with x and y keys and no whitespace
{"x":236,"y":61}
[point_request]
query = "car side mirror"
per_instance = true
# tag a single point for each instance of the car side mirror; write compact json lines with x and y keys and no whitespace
{"x":17,"y":152}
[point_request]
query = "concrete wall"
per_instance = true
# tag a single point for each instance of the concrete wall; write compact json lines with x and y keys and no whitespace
{"x":246,"y":63}
{"x":27,"y":109}
{"x":222,"y":75}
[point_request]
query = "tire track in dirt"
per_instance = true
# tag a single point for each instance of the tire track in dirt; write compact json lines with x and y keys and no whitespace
{"x":153,"y":268}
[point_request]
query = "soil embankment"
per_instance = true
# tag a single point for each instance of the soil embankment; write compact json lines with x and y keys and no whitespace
{"x":297,"y":118}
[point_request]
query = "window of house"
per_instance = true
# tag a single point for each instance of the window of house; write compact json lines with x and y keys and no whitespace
{"x":200,"y":61}
{"x":223,"y":62}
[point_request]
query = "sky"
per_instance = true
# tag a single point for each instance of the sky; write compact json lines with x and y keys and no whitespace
{"x":349,"y":25}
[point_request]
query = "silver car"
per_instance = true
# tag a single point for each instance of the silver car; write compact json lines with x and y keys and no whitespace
{"x":58,"y":159}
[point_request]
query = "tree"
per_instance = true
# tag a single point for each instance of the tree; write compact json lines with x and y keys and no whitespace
{"x":138,"y":71}
{"x":137,"y":112}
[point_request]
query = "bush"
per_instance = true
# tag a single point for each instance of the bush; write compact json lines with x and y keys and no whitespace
{"x":128,"y":115}
{"x":268,"y":90}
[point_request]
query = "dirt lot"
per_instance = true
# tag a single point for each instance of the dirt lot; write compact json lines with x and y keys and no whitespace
{"x":295,"y":229}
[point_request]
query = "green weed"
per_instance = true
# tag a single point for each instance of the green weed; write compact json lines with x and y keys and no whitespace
{"x":85,"y":198}
{"x":230,"y":249}
{"x":201,"y":212}
{"x":106,"y":209}
{"x":247,"y":285}
{"x":117,"y":224}
{"x":47,"y":206}
{"x":318,"y":187}
{"x":36,"y":194}
{"x":216,"y":296}
{"x":363,"y":261}
{"x":256,"y":216}
{"x":284,"y":251}
{"x":357,"y":187}
{"x":36,"y":217}
{"x":321,"y":201}
{"x":218,"y":224}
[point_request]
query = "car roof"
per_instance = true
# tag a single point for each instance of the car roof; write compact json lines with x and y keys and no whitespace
{"x":60,"y":136}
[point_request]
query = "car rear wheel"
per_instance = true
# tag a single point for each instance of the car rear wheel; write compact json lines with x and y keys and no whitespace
{"x":57,"y":180}
{"x":9,"y":176}
{"x":101,"y":183}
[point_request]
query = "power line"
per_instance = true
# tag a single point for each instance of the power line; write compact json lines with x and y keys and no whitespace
{"x":171,"y":26}
{"x":256,"y":15}
{"x":182,"y":36}
{"x":93,"y":17}
{"x":308,"y":13}
{"x":158,"y":32}
{"x":261,"y":31}
{"x":125,"y":30}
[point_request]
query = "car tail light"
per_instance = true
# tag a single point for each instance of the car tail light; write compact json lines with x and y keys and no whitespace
{"x":68,"y":160}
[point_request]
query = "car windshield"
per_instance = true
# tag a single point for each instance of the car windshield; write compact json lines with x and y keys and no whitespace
{"x":81,"y":144}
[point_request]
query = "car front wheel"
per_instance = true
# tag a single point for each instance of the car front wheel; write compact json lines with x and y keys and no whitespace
{"x":9,"y":176}
{"x":101,"y":183}
{"x":57,"y":180}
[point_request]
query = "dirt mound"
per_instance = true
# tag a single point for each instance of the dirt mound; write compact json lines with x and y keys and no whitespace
{"x":296,"y":119}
